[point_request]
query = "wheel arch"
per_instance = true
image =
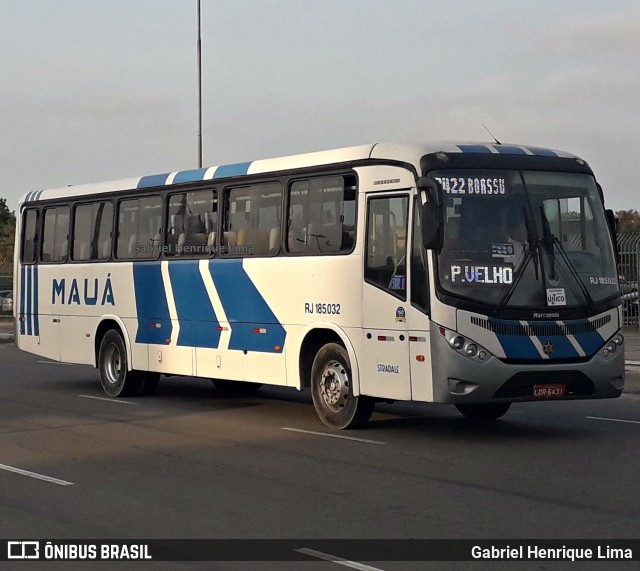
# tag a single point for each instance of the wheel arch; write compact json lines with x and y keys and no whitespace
{"x":313,"y":338}
{"x":106,"y":323}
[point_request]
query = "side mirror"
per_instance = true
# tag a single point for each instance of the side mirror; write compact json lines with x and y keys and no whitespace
{"x":613,"y":224}
{"x":432,"y":219}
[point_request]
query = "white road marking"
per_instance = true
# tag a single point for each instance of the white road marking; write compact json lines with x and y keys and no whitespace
{"x":613,"y":419}
{"x":34,"y":475}
{"x":333,"y":435}
{"x":118,"y":401}
{"x":337,"y":560}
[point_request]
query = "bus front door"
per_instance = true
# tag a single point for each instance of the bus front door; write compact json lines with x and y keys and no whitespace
{"x":386,"y":371}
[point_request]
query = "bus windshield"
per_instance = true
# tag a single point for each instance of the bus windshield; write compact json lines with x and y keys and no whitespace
{"x":527,"y":239}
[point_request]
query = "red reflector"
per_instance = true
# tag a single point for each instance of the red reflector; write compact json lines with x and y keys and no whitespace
{"x":420,"y":358}
{"x":259,"y":330}
{"x":168,"y":340}
{"x":220,"y":328}
{"x":442,"y":330}
{"x":276,"y":348}
{"x":381,"y":338}
{"x":414,"y":339}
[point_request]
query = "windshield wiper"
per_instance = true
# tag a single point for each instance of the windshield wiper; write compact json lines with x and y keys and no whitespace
{"x":551,"y":243}
{"x":531,"y":252}
{"x":548,"y":240}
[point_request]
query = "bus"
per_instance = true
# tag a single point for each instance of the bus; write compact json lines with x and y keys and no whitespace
{"x":474,"y":274}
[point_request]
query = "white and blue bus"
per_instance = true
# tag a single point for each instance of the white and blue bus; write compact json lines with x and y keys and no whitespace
{"x":472,"y":274}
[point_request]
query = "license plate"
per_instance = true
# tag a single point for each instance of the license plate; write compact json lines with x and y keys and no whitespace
{"x":548,"y":391}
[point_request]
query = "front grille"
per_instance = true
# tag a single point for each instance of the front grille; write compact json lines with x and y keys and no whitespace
{"x":540,"y":329}
{"x":521,"y":384}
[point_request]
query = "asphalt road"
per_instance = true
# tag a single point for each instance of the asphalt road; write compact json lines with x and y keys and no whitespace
{"x":190,"y":462}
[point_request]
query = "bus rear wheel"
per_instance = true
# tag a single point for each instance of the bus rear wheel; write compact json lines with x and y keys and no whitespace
{"x":116,"y":378}
{"x":484,"y":411}
{"x":332,"y":390}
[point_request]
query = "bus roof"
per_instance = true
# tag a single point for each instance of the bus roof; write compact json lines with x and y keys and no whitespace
{"x":407,"y":153}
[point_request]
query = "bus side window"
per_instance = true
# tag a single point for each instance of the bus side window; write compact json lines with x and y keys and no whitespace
{"x":321,"y":215}
{"x":192,"y":223}
{"x":92,"y":231}
{"x":139,"y":228}
{"x":252,"y":219}
{"x":386,"y":265}
{"x":55,"y":241}
{"x":30,"y":236}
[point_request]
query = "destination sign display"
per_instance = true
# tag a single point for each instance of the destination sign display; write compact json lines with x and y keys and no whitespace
{"x":488,"y":183}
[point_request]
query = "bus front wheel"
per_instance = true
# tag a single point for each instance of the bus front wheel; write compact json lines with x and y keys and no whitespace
{"x":332,"y":390}
{"x":484,"y":411}
{"x":116,"y":378}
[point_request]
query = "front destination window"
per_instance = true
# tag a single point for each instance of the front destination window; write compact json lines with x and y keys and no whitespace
{"x":525,"y":239}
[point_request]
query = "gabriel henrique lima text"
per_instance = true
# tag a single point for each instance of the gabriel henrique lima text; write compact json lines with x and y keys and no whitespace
{"x":533,"y":552}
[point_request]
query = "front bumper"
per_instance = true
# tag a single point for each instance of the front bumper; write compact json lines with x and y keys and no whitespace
{"x":458,"y":379}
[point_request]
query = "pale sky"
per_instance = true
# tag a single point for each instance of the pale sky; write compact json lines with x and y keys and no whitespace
{"x":96,"y":90}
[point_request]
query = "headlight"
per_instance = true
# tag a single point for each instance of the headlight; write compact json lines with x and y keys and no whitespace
{"x":612,"y":345}
{"x":464,"y":346}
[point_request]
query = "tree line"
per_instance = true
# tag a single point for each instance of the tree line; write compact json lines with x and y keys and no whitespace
{"x":628,"y":221}
{"x":7,"y":238}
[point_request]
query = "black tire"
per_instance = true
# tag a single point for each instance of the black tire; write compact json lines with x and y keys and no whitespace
{"x":484,"y":411}
{"x":116,"y":379}
{"x":332,"y":390}
{"x":235,"y":387}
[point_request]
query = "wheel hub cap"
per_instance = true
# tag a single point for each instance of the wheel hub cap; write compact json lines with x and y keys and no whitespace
{"x":334,"y":385}
{"x":113,"y":364}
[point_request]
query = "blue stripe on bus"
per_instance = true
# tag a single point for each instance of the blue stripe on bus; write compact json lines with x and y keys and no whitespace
{"x":562,"y":347}
{"x":29,"y":329}
{"x":539,"y":152}
{"x":515,"y":346}
{"x":475,"y":149}
{"x":153,"y":180}
{"x":29,"y":195}
{"x":23,"y":272}
{"x":198,"y":321}
{"x":38,"y":195}
{"x":591,"y":341}
{"x":36,"y":319}
{"x":232,"y":170}
{"x":246,"y":309}
{"x":507,"y":150}
{"x":522,"y":347}
{"x":151,"y":304}
{"x":189,"y":176}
